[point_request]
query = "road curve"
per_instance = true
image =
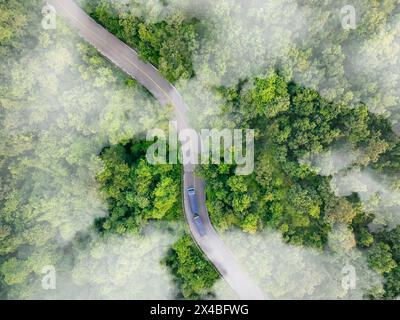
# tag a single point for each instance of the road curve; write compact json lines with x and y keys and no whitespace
{"x":147,"y":75}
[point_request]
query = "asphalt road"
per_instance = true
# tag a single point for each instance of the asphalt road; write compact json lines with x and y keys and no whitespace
{"x":128,"y":60}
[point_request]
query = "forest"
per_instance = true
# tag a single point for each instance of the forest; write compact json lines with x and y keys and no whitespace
{"x":296,"y":118}
{"x":77,"y":193}
{"x":138,"y":192}
{"x":291,"y":122}
{"x":167,"y":44}
{"x":64,"y":111}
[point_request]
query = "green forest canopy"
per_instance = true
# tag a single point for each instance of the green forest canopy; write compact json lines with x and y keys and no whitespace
{"x":287,"y":195}
{"x":168,"y":45}
{"x":52,"y":150}
{"x":137,"y":192}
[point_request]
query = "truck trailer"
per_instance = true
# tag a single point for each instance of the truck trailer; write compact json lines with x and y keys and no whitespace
{"x":194,"y":207}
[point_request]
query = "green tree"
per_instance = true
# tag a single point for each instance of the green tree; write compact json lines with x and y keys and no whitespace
{"x":194,"y":275}
{"x":380,"y":258}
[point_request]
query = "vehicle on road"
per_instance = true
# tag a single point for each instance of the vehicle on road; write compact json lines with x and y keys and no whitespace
{"x":199,"y":225}
{"x":195,"y":211}
{"x":193,"y":200}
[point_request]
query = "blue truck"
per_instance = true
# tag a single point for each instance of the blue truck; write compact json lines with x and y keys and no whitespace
{"x":195,"y":211}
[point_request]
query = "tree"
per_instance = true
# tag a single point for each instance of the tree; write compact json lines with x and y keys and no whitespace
{"x":135,"y":190}
{"x":168,"y":44}
{"x":380,"y":258}
{"x":392,"y":285}
{"x":194,"y":275}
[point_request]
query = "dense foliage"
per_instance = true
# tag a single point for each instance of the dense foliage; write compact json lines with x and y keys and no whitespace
{"x":291,"y":123}
{"x":168,"y":44}
{"x":384,"y":257}
{"x":61,"y":103}
{"x":194,"y":275}
{"x":137,"y":191}
{"x":284,"y":193}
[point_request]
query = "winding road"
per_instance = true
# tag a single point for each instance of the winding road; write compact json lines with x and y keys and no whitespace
{"x":147,"y":75}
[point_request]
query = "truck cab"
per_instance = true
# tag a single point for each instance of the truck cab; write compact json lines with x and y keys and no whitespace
{"x":194,"y":207}
{"x":193,"y":200}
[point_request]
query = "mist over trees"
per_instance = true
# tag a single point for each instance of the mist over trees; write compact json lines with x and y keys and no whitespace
{"x":139,"y":193}
{"x":287,"y":194}
{"x":291,"y":122}
{"x":75,"y":190}
{"x":61,"y":103}
{"x":167,"y":44}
